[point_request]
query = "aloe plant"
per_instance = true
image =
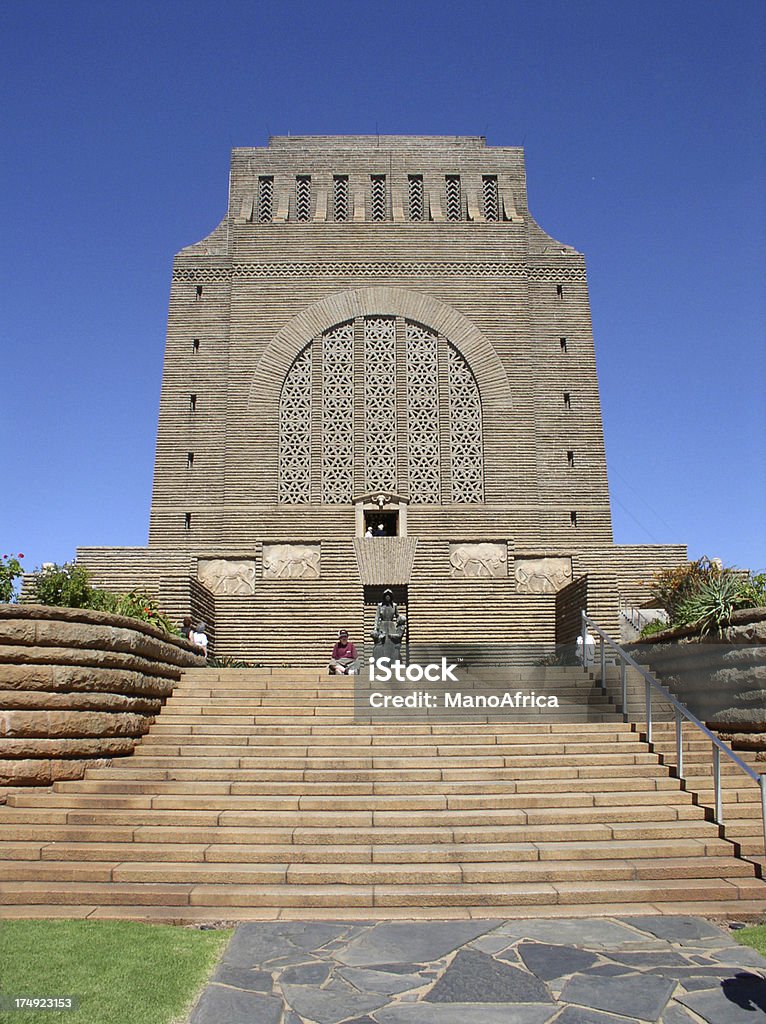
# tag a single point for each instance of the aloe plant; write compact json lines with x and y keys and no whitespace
{"x":714,"y":600}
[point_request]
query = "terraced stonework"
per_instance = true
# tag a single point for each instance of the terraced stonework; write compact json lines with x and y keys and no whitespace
{"x":668,"y":970}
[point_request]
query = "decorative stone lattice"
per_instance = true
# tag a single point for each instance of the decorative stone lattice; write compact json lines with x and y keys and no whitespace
{"x":384,"y":380}
{"x":338,"y":414}
{"x":383,"y":268}
{"x":423,"y":413}
{"x":295,"y":432}
{"x":265,"y":200}
{"x":378,"y":196}
{"x":465,"y":430}
{"x":380,"y":403}
{"x":454,"y":197}
{"x":490,"y":196}
{"x":416,"y":197}
{"x":303,"y":197}
{"x":340,"y":197}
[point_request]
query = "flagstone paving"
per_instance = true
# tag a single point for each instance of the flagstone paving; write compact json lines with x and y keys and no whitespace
{"x":661,"y":970}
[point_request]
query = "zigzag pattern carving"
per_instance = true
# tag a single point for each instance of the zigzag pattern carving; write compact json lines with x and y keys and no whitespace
{"x":382,"y":268}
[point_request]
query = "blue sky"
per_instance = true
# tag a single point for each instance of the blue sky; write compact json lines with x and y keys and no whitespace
{"x":643,"y":126}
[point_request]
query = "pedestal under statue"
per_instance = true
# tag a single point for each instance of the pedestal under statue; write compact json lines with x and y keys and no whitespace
{"x":388,"y":631}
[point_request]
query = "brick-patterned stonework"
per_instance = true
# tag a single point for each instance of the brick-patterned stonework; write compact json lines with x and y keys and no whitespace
{"x":379,"y":313}
{"x":78,"y":686}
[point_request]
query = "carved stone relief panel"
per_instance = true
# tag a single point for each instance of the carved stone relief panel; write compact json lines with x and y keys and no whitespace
{"x":479,"y":561}
{"x":227,"y":577}
{"x":542,"y":575}
{"x":291,"y":561}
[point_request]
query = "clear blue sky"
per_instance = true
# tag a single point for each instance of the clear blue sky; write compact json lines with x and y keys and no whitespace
{"x":644,"y":132}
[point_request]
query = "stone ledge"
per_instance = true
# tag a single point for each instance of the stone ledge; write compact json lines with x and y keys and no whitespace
{"x":78,"y":686}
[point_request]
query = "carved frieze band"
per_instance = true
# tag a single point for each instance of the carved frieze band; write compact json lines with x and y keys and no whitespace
{"x":382,"y":268}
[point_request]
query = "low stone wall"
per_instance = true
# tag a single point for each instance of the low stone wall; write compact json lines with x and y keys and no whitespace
{"x":721,"y":678}
{"x":77,"y":687}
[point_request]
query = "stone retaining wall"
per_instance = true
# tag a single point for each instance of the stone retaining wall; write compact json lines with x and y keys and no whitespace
{"x":78,"y":686}
{"x":721,"y":678}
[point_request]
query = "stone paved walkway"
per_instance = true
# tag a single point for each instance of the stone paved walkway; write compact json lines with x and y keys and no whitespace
{"x":672,"y":970}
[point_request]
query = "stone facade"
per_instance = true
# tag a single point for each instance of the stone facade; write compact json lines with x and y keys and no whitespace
{"x":378,"y":332}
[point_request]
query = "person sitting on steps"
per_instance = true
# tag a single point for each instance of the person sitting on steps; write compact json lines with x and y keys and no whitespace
{"x":343,"y":660}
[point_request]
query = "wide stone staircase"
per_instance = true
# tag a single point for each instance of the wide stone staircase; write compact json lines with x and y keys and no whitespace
{"x":257,"y":794}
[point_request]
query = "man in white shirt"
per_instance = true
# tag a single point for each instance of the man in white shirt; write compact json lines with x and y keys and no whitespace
{"x":198,"y":636}
{"x":586,"y":651}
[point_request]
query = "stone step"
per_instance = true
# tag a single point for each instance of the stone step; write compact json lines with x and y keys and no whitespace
{"x":335,"y":802}
{"x":397,"y":895}
{"x":192,"y":759}
{"x":170,"y":771}
{"x":468,"y":787}
{"x":347,"y":817}
{"x":201,"y":746}
{"x":377,"y":873}
{"x":408,"y":835}
{"x":259,"y":793}
{"x":232,"y":853}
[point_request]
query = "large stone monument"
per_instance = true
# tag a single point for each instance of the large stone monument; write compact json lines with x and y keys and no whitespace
{"x":379,"y":334}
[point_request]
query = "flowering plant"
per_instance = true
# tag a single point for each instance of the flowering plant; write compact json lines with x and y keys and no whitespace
{"x":10,"y":571}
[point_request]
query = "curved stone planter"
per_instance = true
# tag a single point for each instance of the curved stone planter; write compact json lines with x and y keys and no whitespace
{"x":78,"y":686}
{"x":721,"y":678}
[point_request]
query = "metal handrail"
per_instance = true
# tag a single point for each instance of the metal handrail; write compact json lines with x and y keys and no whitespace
{"x":681,"y":710}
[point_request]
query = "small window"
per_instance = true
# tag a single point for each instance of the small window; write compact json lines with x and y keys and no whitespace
{"x":560,"y":291}
{"x":340,"y":197}
{"x":189,"y":460}
{"x":416,"y":197}
{"x":378,"y":202}
{"x":454,"y":197}
{"x":187,"y":520}
{"x":195,"y":345}
{"x":567,"y":400}
{"x":573,"y":519}
{"x":265,"y":199}
{"x":192,"y":403}
{"x":303,"y":197}
{"x":563,"y":343}
{"x":198,"y":292}
{"x":570,"y":458}
{"x":491,"y":197}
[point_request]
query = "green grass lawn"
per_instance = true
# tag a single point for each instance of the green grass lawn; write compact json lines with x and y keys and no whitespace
{"x":755,"y":937}
{"x":120,"y":972}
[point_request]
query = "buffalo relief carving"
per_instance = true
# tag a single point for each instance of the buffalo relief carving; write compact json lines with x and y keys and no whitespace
{"x":479,"y":561}
{"x":542,"y":575}
{"x":291,"y":561}
{"x":225,"y":577}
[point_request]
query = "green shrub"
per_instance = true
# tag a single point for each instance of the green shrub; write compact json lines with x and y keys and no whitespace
{"x":68,"y":586}
{"x":65,"y":585}
{"x":655,"y":626}
{"x":140,"y":606}
{"x":714,"y":600}
{"x":227,"y":662}
{"x":754,"y":590}
{"x":671,"y":587}
{"x":10,"y":571}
